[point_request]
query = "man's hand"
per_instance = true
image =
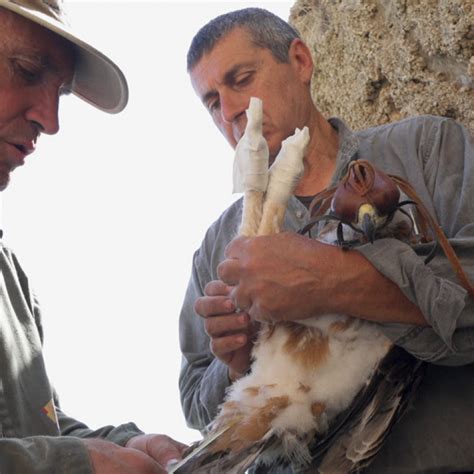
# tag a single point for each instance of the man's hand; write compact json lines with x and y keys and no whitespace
{"x":281,"y":277}
{"x":231,"y":332}
{"x":109,"y":458}
{"x":161,"y":448}
{"x":289,"y":277}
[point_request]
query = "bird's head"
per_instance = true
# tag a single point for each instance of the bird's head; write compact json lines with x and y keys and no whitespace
{"x":365,"y":199}
{"x":368,"y":221}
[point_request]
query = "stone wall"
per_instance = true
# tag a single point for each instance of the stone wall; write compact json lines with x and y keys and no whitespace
{"x":377,"y":61}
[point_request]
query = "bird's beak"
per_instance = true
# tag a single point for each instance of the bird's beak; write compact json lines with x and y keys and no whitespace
{"x":368,"y":227}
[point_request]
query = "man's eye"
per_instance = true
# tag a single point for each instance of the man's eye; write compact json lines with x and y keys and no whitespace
{"x":28,"y":72}
{"x":244,"y":79}
{"x":213,"y":106}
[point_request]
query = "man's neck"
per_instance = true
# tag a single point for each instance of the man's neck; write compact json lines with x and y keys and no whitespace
{"x":320,"y":159}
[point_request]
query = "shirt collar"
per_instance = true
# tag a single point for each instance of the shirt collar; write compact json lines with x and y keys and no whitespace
{"x":348,"y":148}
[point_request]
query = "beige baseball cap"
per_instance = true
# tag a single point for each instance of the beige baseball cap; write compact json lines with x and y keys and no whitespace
{"x":97,"y":79}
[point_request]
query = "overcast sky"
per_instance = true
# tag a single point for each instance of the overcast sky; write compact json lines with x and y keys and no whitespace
{"x":106,"y":215}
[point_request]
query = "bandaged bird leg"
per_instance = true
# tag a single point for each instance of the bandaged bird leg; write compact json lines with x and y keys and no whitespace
{"x":251,"y":169}
{"x":246,"y":419}
{"x":284,"y":175}
{"x":252,"y":406}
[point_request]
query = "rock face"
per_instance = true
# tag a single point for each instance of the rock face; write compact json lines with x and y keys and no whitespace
{"x":378,"y":61}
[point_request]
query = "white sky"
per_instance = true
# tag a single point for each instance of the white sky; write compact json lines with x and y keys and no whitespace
{"x":106,"y":215}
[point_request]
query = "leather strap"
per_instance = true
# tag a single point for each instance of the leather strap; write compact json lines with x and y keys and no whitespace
{"x":440,"y":235}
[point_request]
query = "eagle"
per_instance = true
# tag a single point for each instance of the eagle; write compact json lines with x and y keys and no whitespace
{"x":322,"y":393}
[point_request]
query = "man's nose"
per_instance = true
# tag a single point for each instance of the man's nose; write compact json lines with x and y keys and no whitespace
{"x":44,"y":111}
{"x":232,"y":106}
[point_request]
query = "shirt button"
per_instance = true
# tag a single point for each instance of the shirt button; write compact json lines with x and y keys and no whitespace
{"x":299,"y":214}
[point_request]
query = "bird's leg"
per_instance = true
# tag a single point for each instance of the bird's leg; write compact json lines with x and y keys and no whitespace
{"x":272,"y":218}
{"x":251,"y":169}
{"x":284,"y":174}
{"x":251,"y":178}
{"x":251,"y":213}
{"x":248,"y":410}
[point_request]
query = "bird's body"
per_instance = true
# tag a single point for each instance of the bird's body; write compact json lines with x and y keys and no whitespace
{"x":302,"y":377}
{"x":304,"y":374}
{"x":311,"y":383}
{"x":322,"y":391}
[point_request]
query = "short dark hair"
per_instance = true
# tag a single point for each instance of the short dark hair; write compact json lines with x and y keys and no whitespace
{"x":266,"y":29}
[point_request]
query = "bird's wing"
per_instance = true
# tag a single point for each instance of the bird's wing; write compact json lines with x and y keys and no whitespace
{"x":201,"y":460}
{"x":358,"y":433}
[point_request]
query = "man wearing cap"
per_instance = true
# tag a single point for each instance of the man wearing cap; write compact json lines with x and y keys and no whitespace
{"x":39,"y":61}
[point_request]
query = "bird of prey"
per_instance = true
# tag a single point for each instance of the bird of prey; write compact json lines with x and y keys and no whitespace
{"x":322,"y":393}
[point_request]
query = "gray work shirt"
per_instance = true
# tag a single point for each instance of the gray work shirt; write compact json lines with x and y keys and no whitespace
{"x":35,"y":435}
{"x":436,"y":155}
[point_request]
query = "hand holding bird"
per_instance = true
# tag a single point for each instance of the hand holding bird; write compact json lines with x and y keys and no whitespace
{"x":324,"y":387}
{"x":283,"y":276}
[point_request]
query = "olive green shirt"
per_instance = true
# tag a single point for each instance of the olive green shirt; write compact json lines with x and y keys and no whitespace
{"x":35,"y":436}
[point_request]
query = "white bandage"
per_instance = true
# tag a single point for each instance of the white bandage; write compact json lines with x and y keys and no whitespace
{"x":251,"y":153}
{"x":288,"y":167}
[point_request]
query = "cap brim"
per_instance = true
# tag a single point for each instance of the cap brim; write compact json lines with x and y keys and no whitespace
{"x":97,"y":79}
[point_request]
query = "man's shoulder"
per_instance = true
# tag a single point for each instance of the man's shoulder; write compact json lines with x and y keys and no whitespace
{"x":417,"y":134}
{"x":225,"y":227}
{"x":411,"y":125}
{"x":231,"y":215}
{"x":419,"y":125}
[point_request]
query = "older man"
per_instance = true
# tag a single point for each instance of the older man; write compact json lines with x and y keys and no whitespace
{"x":422,"y":308}
{"x":39,"y":61}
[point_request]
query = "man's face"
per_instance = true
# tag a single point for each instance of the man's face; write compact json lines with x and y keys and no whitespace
{"x":36,"y":67}
{"x":236,"y":70}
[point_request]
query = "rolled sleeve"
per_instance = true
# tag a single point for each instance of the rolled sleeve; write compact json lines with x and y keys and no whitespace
{"x":444,"y":304}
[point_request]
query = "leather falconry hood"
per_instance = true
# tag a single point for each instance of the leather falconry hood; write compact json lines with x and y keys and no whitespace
{"x":364,"y":184}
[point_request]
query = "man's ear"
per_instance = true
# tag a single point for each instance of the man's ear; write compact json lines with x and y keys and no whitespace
{"x":300,"y":56}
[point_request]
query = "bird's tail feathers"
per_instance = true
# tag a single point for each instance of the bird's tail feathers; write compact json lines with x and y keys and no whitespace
{"x":372,"y":415}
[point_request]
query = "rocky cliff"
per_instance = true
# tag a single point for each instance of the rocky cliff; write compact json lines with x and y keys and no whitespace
{"x":381,"y":60}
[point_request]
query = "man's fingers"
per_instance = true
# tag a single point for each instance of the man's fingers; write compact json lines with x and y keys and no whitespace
{"x":224,"y":347}
{"x":219,"y":326}
{"x":241,"y":299}
{"x":161,"y":448}
{"x":229,"y":271}
{"x":164,"y":450}
{"x":108,"y":457}
{"x":217,"y":288}
{"x":212,"y":306}
{"x":233,"y":247}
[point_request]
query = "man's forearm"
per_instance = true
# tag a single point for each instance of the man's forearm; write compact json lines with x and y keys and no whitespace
{"x":43,"y":455}
{"x":366,"y":293}
{"x":290,"y":277}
